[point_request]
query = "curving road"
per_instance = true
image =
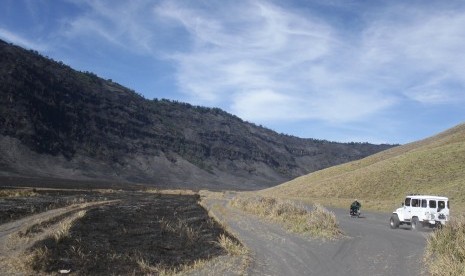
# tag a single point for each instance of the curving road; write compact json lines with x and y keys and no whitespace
{"x":370,"y":248}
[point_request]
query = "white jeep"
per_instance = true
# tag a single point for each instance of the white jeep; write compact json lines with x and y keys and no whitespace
{"x":421,"y":210}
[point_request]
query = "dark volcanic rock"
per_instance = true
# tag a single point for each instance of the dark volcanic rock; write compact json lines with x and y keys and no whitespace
{"x":58,"y":122}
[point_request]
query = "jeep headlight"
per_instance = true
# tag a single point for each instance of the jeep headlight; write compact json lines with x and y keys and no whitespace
{"x":432,"y":216}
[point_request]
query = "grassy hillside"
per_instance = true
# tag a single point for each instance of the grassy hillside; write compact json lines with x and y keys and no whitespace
{"x":432,"y":166}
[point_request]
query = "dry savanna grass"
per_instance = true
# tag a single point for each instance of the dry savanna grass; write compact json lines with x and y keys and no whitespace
{"x":58,"y":233}
{"x":56,"y":227}
{"x":239,"y":256}
{"x":29,"y":261}
{"x":152,"y":191}
{"x":191,"y":235}
{"x":62,"y":231}
{"x":17,"y":192}
{"x":318,"y":223}
{"x":445,"y":249}
{"x":161,"y":270}
{"x":143,"y":233}
{"x":232,"y":247}
{"x":37,"y":257}
{"x":432,"y":166}
{"x":175,"y":192}
{"x":182,"y":229}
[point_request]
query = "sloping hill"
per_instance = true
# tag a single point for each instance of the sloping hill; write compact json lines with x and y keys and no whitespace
{"x":432,"y":166}
{"x":60,"y":123}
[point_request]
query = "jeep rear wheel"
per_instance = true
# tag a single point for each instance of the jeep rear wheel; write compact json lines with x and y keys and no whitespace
{"x":416,"y":224}
{"x":394,"y":221}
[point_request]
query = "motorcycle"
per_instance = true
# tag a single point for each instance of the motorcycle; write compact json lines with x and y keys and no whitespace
{"x":354,"y":212}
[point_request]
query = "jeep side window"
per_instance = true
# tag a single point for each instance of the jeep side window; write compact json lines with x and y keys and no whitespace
{"x":441,"y":205}
{"x":414,"y":202}
{"x":424,"y":203}
{"x":407,"y":201}
{"x":432,"y":204}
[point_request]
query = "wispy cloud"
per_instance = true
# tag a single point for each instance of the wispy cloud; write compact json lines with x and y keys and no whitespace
{"x":267,"y":63}
{"x":125,"y":24}
{"x":420,"y":53}
{"x":22,"y":41}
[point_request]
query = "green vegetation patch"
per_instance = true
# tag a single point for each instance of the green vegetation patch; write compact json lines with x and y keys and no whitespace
{"x":318,"y":223}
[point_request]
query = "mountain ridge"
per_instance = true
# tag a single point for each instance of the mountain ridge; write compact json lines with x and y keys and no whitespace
{"x":59,"y":122}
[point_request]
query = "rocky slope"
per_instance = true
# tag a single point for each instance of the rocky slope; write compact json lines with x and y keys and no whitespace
{"x":61,"y":123}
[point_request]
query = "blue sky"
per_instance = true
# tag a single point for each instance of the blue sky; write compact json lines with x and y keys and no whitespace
{"x":340,"y":70}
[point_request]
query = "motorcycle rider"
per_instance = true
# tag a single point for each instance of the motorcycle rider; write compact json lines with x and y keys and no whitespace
{"x":355,"y":206}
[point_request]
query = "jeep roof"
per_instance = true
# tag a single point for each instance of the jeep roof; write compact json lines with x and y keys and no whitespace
{"x":428,"y":197}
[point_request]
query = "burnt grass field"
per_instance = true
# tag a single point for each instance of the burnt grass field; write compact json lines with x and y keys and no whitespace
{"x":16,"y":203}
{"x":139,"y":232}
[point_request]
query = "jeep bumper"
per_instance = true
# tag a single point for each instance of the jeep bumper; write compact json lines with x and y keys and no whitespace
{"x":436,"y":222}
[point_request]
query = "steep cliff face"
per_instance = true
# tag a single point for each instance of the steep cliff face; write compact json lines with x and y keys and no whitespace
{"x":58,"y":122}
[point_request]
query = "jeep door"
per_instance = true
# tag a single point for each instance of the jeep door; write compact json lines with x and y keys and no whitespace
{"x":443,"y":208}
{"x":416,"y":210}
{"x":407,"y":211}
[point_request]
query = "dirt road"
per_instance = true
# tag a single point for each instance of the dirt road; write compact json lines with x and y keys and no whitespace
{"x":12,"y":246}
{"x":370,"y":248}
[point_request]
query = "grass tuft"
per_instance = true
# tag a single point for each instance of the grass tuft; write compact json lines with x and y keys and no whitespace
{"x":34,"y":260}
{"x":323,"y":223}
{"x":161,"y":270}
{"x":445,"y":249}
{"x":181,"y":229}
{"x":319,"y":222}
{"x":232,"y":247}
{"x":63,"y":229}
{"x":18,"y":193}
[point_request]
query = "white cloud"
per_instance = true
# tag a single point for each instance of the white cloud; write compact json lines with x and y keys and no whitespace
{"x":244,"y":56}
{"x":267,"y":64}
{"x":420,"y":54}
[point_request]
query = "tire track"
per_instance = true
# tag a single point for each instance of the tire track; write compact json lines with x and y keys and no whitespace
{"x":12,"y":245}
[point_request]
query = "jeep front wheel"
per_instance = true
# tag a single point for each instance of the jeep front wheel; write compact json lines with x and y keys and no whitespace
{"x":394,"y":221}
